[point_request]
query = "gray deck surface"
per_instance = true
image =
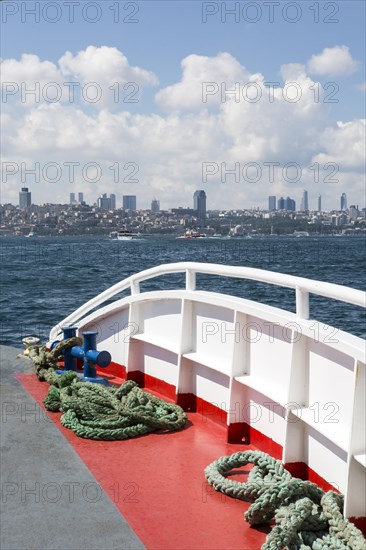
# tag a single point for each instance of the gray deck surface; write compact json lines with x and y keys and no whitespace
{"x":49,"y":499}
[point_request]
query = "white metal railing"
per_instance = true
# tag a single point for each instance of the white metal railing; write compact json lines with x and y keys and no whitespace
{"x":302,"y":286}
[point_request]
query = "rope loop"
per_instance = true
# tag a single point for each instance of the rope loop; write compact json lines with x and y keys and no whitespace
{"x":306,"y":518}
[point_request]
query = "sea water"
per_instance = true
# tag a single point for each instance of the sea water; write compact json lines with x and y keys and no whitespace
{"x":44,"y":279}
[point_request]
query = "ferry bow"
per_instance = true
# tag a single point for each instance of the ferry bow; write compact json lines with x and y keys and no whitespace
{"x":282,"y":381}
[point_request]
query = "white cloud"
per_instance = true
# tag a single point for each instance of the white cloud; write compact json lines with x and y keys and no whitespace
{"x":335,"y":61}
{"x":79,"y":78}
{"x":293,"y":71}
{"x":105,"y":66}
{"x":29,"y":69}
{"x":169,"y":150}
{"x":344,"y":145}
{"x":201,"y":77}
{"x":29,"y":79}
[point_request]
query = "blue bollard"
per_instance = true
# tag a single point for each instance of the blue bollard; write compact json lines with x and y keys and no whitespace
{"x":93,"y":358}
{"x":69,"y":360}
{"x":87,"y":353}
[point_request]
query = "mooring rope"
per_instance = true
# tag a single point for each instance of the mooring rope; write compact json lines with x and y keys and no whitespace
{"x":93,"y":411}
{"x":306,"y":517}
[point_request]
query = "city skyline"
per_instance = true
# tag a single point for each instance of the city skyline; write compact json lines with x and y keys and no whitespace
{"x":302,"y":196}
{"x":129,"y":202}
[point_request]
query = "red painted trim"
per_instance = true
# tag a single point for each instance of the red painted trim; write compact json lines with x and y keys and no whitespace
{"x":150,"y":382}
{"x":115,"y":369}
{"x":187,"y":401}
{"x":191,"y":403}
{"x":360,"y":524}
{"x":209,"y":411}
{"x":302,"y":470}
{"x":298,"y":469}
{"x":243,"y":432}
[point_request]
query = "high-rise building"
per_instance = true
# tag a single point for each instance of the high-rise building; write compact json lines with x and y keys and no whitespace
{"x":72,"y":198}
{"x":155,"y":205}
{"x":199,"y":205}
{"x":281,"y":204}
{"x":290,"y":204}
{"x":304,"y":202}
{"x":343,"y":201}
{"x":353,"y":212}
{"x":286,"y":204}
{"x":129,"y":202}
{"x":25,"y":198}
{"x":80,"y":197}
{"x":271,"y":203}
{"x":104,"y":202}
{"x":107,"y":203}
{"x":319,"y":203}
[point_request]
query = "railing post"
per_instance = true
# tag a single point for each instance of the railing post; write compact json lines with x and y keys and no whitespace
{"x":135,"y":287}
{"x":190,"y":280}
{"x":302,"y":304}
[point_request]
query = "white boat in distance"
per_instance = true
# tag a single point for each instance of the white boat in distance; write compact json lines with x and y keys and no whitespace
{"x":281,"y":381}
{"x":124,"y":235}
{"x":192,"y":234}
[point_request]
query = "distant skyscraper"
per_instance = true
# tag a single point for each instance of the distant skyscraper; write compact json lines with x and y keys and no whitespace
{"x":286,"y":204}
{"x":25,"y":198}
{"x":72,"y":198}
{"x":271,"y":203}
{"x":290,"y":204}
{"x":319,"y":203}
{"x":199,"y":204}
{"x":104,"y":202}
{"x":343,"y":201}
{"x":80,"y":197}
{"x":112,"y":201}
{"x":304,"y":202}
{"x":155,"y":205}
{"x":129,"y":202}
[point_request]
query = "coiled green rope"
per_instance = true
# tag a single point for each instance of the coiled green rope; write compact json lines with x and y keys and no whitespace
{"x":93,"y":411}
{"x":306,"y":517}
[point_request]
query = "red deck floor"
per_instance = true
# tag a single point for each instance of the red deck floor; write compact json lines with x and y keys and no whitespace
{"x":157,"y":483}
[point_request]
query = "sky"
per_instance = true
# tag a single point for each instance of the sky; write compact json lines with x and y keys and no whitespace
{"x":160,"y":98}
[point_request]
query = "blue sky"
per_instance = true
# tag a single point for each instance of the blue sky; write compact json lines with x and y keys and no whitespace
{"x":168,"y":32}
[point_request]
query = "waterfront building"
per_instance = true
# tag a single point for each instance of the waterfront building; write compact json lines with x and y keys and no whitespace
{"x":271,"y":203}
{"x":25,"y":198}
{"x":304,"y":202}
{"x":286,"y":204}
{"x":155,"y":205}
{"x":104,"y":202}
{"x":343,"y":201}
{"x":199,"y":205}
{"x":290,"y":204}
{"x":129,"y":202}
{"x":353,"y":212}
{"x":281,"y":204}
